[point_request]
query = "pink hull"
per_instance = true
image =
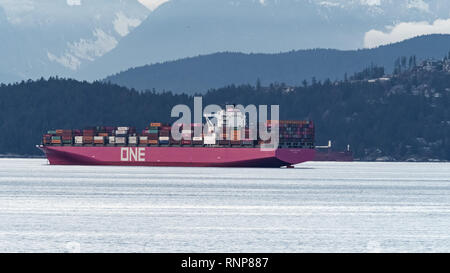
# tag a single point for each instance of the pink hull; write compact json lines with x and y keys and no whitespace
{"x":176,"y":156}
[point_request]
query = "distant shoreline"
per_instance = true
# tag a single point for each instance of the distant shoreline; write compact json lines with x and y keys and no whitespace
{"x":22,"y":156}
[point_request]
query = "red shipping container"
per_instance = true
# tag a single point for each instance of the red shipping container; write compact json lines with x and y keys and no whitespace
{"x":164,"y":133}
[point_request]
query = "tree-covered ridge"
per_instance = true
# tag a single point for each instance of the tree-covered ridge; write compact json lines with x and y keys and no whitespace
{"x":198,"y":74}
{"x":404,"y":117}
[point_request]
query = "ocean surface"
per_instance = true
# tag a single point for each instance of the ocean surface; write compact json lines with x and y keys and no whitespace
{"x":316,"y":207}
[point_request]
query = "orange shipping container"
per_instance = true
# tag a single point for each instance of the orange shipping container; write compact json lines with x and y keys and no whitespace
{"x":155,"y":124}
{"x":88,"y":139}
{"x":152,"y":141}
{"x":56,"y":141}
{"x":103,"y":134}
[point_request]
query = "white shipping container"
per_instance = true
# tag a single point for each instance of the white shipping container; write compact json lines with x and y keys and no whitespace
{"x":112,"y":140}
{"x":123,"y":128}
{"x":197,"y":138}
{"x":164,"y":138}
{"x":132,"y":140}
{"x":121,"y":140}
{"x":98,"y":138}
{"x":143,"y":138}
{"x":210,"y":140}
{"x":121,"y":132}
{"x":78,"y":140}
{"x":186,"y":131}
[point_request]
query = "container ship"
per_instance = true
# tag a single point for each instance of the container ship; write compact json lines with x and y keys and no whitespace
{"x":326,"y":153}
{"x":218,"y":146}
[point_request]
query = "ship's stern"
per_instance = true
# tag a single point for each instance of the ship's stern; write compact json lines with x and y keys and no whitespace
{"x":294,"y":156}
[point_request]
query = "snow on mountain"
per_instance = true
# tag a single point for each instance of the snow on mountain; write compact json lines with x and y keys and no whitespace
{"x":152,"y":4}
{"x":55,"y":37}
{"x":92,"y":39}
{"x":184,"y":28}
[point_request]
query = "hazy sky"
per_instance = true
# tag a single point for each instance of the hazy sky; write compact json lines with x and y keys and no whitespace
{"x":152,"y":4}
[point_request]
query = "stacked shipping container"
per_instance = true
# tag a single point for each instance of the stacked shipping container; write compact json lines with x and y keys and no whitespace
{"x":294,"y":133}
{"x":297,"y":134}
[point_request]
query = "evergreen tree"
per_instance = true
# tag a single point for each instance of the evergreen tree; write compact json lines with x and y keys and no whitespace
{"x":390,"y":116}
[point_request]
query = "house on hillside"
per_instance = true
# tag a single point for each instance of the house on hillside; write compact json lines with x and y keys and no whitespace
{"x":430,"y":65}
{"x":446,"y":65}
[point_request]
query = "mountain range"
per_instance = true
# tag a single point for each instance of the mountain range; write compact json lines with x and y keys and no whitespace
{"x":186,"y":28}
{"x":198,"y":74}
{"x":56,"y":37}
{"x":93,"y":39}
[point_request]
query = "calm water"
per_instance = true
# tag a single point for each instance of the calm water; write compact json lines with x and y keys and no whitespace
{"x":317,"y":207}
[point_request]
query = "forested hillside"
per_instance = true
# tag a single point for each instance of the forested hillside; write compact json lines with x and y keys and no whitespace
{"x":198,"y":74}
{"x":404,"y":118}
